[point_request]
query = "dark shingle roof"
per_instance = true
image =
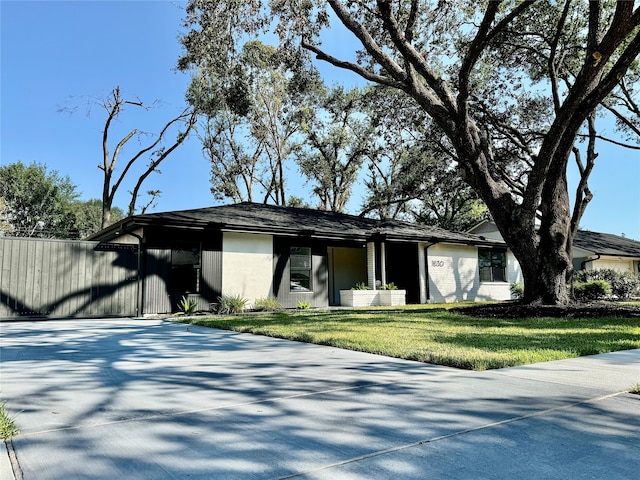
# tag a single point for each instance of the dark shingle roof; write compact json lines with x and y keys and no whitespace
{"x":607,"y":244}
{"x":260,"y":218}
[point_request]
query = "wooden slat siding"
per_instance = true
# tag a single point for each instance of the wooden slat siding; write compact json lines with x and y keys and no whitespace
{"x":4,"y":281}
{"x":156,"y":296}
{"x":55,"y":278}
{"x":211,"y":278}
{"x":319,"y":297}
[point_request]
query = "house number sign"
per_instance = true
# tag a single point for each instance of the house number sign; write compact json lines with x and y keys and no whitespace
{"x":437,"y":263}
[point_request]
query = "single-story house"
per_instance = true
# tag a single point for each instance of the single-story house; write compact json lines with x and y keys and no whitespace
{"x":303,"y":255}
{"x":597,"y":251}
{"x":591,"y":250}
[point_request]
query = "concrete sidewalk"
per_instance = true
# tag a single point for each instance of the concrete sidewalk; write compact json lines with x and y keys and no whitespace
{"x":147,"y":399}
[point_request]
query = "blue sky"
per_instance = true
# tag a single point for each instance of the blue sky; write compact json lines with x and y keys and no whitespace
{"x":63,"y":54}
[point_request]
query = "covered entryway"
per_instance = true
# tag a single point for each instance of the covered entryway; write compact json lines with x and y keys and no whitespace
{"x":347,"y":266}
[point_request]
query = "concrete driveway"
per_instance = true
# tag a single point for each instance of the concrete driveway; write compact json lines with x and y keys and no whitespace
{"x":150,"y":399}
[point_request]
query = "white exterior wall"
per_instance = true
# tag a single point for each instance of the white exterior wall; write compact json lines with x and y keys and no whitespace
{"x":247,"y":265}
{"x":454,"y":276}
{"x":615,"y":263}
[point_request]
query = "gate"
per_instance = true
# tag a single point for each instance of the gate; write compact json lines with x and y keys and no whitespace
{"x":67,"y":278}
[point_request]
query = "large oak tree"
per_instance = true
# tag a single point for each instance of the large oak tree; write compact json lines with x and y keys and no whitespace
{"x":512,"y":84}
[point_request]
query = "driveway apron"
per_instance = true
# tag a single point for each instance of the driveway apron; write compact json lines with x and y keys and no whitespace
{"x":153,"y":399}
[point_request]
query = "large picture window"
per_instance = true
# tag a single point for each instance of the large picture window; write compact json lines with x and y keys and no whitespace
{"x":300,"y":269}
{"x":493,"y":265}
{"x":185,"y":269}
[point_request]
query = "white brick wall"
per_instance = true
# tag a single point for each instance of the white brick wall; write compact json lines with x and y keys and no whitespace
{"x":453,"y":275}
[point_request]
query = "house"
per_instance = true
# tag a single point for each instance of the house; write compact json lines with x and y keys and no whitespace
{"x":302,"y":255}
{"x":598,"y":251}
{"x":591,"y":250}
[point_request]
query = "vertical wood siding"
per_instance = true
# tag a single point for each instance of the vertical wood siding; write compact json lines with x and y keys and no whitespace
{"x":319,"y":297}
{"x":59,"y":278}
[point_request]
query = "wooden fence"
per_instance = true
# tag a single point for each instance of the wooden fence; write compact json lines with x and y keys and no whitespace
{"x":65,"y":278}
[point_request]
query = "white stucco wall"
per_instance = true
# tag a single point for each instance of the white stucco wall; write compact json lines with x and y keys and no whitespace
{"x":247,"y":265}
{"x":454,"y":277}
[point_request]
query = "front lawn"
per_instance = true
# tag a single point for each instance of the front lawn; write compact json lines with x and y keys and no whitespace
{"x":432,"y":334}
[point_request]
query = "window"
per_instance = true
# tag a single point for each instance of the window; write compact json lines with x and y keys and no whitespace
{"x":493,"y":265}
{"x":300,"y":269}
{"x":185,"y":269}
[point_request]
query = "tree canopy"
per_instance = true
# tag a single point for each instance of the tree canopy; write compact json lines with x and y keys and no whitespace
{"x":512,"y":85}
{"x":38,"y":202}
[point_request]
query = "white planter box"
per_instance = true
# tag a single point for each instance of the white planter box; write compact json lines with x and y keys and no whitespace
{"x":393,"y":297}
{"x":372,"y":298}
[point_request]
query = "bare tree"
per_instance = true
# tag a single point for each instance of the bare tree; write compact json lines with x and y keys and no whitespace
{"x":154,"y":151}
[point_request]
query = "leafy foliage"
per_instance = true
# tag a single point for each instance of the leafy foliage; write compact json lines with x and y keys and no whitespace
{"x":517,"y":290}
{"x":251,"y":109}
{"x":338,"y":138}
{"x":38,"y":202}
{"x":267,"y":304}
{"x":187,"y":306}
{"x":89,"y":217}
{"x":591,"y":290}
{"x":624,"y":285}
{"x":231,"y":304}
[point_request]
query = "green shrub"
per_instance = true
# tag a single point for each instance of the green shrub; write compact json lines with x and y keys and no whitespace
{"x":229,"y":304}
{"x":591,"y":290}
{"x":389,"y":286}
{"x":361,"y":286}
{"x":624,"y":285}
{"x":267,"y":304}
{"x":187,"y":306}
{"x":517,"y":291}
{"x":303,"y":305}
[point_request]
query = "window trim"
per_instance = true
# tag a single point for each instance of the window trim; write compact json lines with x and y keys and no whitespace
{"x":196,"y":249}
{"x":292,"y":269}
{"x":491,"y":267}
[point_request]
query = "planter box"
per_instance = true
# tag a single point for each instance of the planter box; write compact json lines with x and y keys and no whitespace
{"x":393,"y":297}
{"x":372,"y":298}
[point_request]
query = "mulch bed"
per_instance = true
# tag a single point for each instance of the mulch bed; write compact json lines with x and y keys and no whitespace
{"x":518,"y":310}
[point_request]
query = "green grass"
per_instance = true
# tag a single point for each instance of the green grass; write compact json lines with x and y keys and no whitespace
{"x":432,"y":334}
{"x":7,"y":426}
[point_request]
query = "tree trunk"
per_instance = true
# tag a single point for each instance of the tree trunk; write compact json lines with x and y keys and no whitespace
{"x":545,"y":252}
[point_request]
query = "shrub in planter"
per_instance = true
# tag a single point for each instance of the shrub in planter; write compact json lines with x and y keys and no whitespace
{"x":591,"y":290}
{"x":361,"y":286}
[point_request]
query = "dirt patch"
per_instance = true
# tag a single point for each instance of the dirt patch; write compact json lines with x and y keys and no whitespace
{"x":517,"y":310}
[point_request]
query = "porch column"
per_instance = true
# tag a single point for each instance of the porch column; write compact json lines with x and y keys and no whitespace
{"x":371,"y":265}
{"x":422,"y":271}
{"x":383,"y":264}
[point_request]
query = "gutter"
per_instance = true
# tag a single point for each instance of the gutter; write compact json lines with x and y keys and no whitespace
{"x":583,"y":264}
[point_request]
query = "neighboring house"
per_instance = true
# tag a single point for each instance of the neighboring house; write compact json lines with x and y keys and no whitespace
{"x":597,"y":251}
{"x":302,"y":255}
{"x":591,"y":250}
